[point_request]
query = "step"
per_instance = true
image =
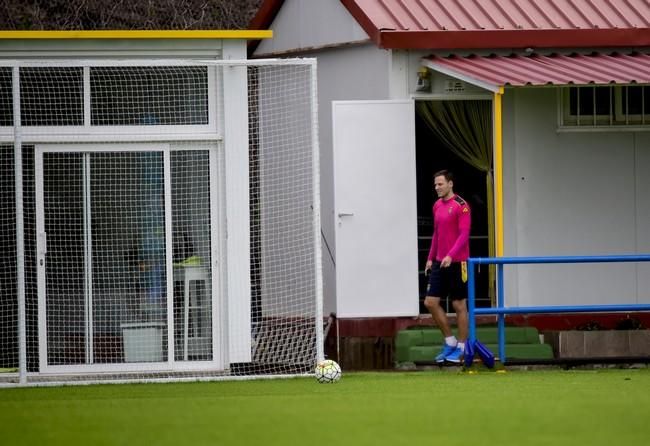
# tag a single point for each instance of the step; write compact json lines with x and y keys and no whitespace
{"x":486,"y":334}
{"x":426,"y":354}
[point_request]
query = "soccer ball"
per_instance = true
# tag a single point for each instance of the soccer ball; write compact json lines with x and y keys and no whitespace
{"x":328,"y":372}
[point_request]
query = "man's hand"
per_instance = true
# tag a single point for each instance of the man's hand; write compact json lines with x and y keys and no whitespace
{"x":427,"y":268}
{"x":445,"y":262}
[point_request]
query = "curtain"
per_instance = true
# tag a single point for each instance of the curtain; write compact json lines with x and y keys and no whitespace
{"x":465,"y":128}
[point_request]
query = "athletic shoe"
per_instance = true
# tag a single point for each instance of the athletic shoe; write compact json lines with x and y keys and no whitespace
{"x":455,"y":356}
{"x":446,"y":351}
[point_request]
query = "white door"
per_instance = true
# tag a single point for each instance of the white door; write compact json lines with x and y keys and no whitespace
{"x":375,"y":208}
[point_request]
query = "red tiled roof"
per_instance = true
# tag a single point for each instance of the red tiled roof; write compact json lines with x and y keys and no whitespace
{"x":518,"y":70}
{"x":493,"y":24}
{"x":455,"y":24}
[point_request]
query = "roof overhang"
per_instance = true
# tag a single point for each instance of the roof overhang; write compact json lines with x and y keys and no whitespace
{"x":137,"y":34}
{"x":493,"y":72}
{"x":503,"y":24}
{"x":511,"y":39}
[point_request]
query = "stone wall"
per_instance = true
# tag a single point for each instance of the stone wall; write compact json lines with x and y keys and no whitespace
{"x":575,"y":344}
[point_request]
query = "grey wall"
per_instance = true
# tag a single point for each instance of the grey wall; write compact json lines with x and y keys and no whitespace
{"x":284,"y":184}
{"x":350,"y":73}
{"x":642,"y":177}
{"x":305,"y":24}
{"x":145,"y":48}
{"x":348,"y":69}
{"x":572,"y":193}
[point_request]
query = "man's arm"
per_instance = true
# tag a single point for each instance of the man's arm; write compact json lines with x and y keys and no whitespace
{"x":434,"y":240}
{"x":432,"y":251}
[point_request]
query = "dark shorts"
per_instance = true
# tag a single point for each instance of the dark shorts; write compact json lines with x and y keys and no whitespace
{"x":450,"y":282}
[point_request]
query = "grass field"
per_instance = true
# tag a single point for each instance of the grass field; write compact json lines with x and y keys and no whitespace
{"x":602,"y":407}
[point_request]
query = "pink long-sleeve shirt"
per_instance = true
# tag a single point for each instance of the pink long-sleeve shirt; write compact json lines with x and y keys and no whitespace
{"x":451,"y":225}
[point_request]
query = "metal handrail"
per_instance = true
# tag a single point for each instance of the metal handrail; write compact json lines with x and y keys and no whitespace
{"x":501,"y":310}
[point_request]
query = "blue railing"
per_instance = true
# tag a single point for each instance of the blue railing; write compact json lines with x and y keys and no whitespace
{"x":501,"y":310}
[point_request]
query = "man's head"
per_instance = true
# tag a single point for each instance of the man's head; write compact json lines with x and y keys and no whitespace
{"x":443,"y":183}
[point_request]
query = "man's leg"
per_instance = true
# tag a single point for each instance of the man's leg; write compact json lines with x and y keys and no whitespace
{"x":433,"y":305}
{"x":462,"y":318}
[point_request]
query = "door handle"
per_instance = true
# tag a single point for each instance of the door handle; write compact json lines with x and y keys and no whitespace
{"x":343,"y":214}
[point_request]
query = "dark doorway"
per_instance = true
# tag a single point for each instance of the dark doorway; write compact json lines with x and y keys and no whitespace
{"x":431,"y":156}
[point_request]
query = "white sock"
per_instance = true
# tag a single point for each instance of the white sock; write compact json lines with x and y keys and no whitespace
{"x":461,"y":346}
{"x":451,"y":341}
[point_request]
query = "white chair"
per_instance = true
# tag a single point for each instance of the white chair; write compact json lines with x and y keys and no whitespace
{"x":191,"y":301}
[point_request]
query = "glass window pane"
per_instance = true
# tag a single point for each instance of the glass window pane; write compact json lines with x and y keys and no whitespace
{"x":6,"y":94}
{"x":636,"y":100}
{"x":65,"y":269}
{"x":128,"y":257}
{"x":51,"y":96}
{"x":603,"y":100}
{"x":149,"y":95}
{"x":191,"y":236}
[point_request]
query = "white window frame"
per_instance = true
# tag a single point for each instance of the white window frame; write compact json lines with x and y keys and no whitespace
{"x":87,"y":133}
{"x":616,"y":120}
{"x":618,"y":106}
{"x":218,"y":272}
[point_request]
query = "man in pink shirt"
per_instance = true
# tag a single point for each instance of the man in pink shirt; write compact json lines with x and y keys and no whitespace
{"x":447,"y":264}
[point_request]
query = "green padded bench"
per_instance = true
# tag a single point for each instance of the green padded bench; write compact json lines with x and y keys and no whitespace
{"x":422,"y":344}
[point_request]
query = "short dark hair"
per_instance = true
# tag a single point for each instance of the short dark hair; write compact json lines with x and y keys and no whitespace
{"x":449,"y":176}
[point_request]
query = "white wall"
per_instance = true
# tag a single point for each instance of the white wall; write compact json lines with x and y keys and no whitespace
{"x":642,"y":189}
{"x":572,"y":194}
{"x":235,"y":130}
{"x":564,"y":193}
{"x":404,"y":68}
{"x":358,"y":72}
{"x":146,"y":48}
{"x":352,"y":73}
{"x":309,"y":24}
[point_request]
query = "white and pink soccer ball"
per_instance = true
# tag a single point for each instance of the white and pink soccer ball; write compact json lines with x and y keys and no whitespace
{"x":328,"y":372}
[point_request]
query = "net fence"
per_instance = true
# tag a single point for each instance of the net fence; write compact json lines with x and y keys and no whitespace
{"x":131,"y":202}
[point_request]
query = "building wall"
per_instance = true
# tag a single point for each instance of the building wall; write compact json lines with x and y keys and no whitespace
{"x":404,"y":68}
{"x":308,"y":24}
{"x":564,"y":193}
{"x":572,"y":193}
{"x":233,"y":134}
{"x":146,"y":48}
{"x":350,"y":73}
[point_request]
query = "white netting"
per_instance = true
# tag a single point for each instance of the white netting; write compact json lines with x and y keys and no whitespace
{"x":125,"y":189}
{"x":283,"y":269}
{"x":8,"y":300}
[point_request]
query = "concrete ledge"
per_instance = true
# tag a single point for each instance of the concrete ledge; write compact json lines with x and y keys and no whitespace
{"x":600,"y":344}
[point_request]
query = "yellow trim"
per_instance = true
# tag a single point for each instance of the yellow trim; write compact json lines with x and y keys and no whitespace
{"x":140,"y":34}
{"x":498,"y":169}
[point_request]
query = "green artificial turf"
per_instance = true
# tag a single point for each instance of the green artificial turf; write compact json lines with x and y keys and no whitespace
{"x":601,"y":407}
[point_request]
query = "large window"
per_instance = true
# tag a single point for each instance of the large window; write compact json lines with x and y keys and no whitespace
{"x":107,"y":96}
{"x":149,"y":95}
{"x":605,"y":106}
{"x":51,"y":96}
{"x":6,"y":103}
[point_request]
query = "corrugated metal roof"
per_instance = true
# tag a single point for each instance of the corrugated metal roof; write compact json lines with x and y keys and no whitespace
{"x":503,"y":23}
{"x":449,"y":15}
{"x":518,"y":70}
